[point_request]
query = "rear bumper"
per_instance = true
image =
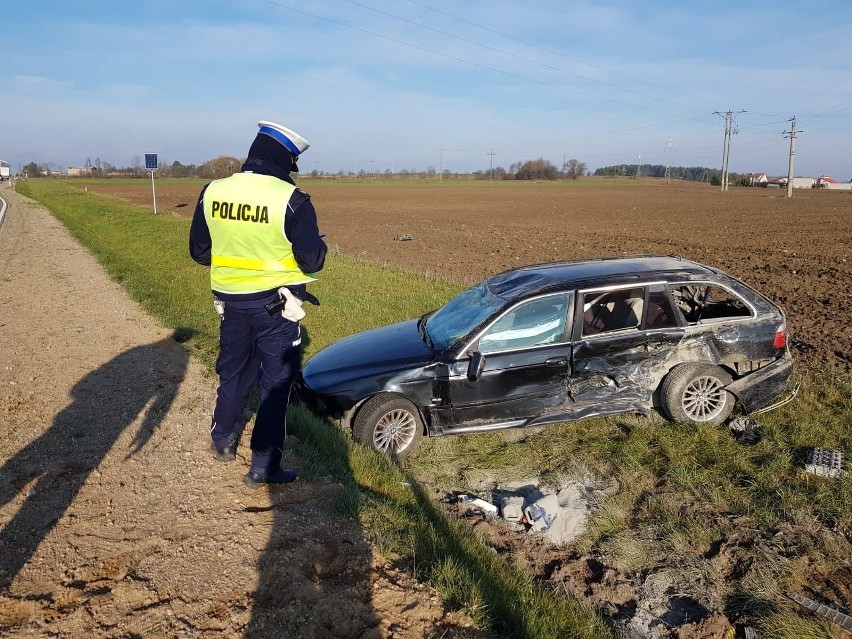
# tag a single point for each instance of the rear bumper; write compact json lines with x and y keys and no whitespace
{"x":763,"y":386}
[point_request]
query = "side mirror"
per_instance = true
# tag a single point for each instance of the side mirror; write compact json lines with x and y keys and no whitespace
{"x":476,"y":366}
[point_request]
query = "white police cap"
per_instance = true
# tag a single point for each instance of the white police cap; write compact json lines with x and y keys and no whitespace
{"x":291,"y":140}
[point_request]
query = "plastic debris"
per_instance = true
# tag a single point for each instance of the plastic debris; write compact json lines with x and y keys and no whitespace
{"x":512,"y":508}
{"x":842,"y":620}
{"x":825,"y":463}
{"x":404,"y":237}
{"x":745,"y":430}
{"x":542,"y":513}
{"x":479,"y":503}
{"x":799,"y":345}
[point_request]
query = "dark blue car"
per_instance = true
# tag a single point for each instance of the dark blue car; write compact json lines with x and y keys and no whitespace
{"x":557,"y":343}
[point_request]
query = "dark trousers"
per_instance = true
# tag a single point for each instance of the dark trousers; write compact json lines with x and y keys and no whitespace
{"x":252,"y":341}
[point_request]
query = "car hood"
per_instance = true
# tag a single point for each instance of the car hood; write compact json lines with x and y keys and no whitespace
{"x":377,"y":353}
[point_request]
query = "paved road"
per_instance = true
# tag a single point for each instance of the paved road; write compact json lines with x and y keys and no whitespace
{"x":3,"y":205}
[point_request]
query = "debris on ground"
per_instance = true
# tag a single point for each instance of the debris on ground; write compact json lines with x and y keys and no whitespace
{"x":541,"y":514}
{"x":745,"y":430}
{"x":512,"y":508}
{"x":825,"y":463}
{"x":476,"y":501}
{"x":799,"y":345}
{"x":835,"y":616}
{"x":404,"y":237}
{"x":559,"y":516}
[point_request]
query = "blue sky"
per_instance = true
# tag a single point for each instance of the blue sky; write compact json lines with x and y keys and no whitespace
{"x":409,"y":84}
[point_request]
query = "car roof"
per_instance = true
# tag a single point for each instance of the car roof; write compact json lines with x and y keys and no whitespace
{"x":538,"y":278}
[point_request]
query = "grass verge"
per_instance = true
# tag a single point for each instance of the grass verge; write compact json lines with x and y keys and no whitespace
{"x":749,"y":515}
{"x":147,"y":254}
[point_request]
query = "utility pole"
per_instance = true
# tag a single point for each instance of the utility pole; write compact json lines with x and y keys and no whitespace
{"x":441,"y":174}
{"x":491,"y":169}
{"x":669,"y":162}
{"x":639,"y":166}
{"x":371,"y":170}
{"x":792,"y":135}
{"x":726,"y":147}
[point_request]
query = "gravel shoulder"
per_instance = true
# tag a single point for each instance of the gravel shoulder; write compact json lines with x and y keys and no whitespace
{"x":115,"y":520}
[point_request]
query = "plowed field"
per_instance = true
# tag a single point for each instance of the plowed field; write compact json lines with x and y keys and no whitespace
{"x":797,"y":251}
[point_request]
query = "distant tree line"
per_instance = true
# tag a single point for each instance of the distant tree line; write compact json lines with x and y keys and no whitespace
{"x":222,"y":166}
{"x":539,"y":169}
{"x":689,"y":173}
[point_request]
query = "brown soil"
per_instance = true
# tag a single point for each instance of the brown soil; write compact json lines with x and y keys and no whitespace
{"x":796,"y":251}
{"x":148,"y":532}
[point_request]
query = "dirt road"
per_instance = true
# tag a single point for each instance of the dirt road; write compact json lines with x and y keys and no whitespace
{"x":115,"y":520}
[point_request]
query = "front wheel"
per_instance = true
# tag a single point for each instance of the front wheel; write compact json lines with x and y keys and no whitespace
{"x":696,"y":394}
{"x":389,"y":424}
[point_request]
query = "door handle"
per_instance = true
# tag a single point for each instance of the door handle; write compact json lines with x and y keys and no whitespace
{"x":556,"y":361}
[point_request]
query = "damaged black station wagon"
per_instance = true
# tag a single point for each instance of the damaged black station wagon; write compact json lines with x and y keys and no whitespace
{"x":558,"y":343}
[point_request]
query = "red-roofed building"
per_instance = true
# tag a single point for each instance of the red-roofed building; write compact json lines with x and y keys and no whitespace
{"x":755,"y":179}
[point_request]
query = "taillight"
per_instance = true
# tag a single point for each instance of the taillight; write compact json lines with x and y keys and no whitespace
{"x":780,"y":337}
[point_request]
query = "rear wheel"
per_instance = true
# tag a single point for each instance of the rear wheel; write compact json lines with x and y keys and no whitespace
{"x":389,"y":424}
{"x":695,"y":394}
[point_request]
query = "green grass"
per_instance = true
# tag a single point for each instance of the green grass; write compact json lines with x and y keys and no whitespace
{"x":677,"y":492}
{"x":148,"y":255}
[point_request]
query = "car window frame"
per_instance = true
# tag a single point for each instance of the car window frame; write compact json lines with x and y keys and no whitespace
{"x":473,"y":344}
{"x":734,"y":318}
{"x":640,"y":328}
{"x":661,"y":288}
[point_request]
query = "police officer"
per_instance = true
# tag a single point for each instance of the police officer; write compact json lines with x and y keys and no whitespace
{"x":258,"y":233}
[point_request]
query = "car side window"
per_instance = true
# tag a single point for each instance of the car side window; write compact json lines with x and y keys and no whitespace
{"x":708,"y":303}
{"x":659,"y":312}
{"x":535,"y":322}
{"x":608,"y":311}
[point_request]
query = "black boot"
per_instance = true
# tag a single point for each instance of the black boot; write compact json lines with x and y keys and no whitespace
{"x":255,"y":480}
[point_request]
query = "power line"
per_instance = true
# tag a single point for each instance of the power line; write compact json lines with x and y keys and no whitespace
{"x":550,"y":51}
{"x":562,"y":87}
{"x":510,"y":54}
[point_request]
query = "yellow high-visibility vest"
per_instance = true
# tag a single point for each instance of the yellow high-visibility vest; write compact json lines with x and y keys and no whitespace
{"x":245,"y":214}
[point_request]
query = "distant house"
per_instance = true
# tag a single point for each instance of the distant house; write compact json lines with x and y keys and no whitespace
{"x":755,"y":179}
{"x":77,"y":171}
{"x":799,"y":182}
{"x":828,"y":182}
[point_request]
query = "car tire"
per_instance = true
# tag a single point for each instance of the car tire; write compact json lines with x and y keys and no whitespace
{"x":388,"y":424}
{"x":695,"y":394}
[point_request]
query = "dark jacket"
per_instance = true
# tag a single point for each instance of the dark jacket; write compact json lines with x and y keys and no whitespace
{"x":268,"y":157}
